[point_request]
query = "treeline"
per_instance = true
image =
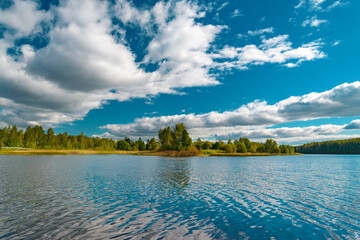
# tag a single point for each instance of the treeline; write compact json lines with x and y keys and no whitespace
{"x":244,"y":145}
{"x":349,"y":146}
{"x":36,"y":138}
{"x":168,"y":139}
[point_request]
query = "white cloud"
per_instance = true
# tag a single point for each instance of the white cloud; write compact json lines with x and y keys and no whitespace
{"x":222,"y":6}
{"x":313,"y":22}
{"x":318,"y":5}
{"x":181,"y":48}
{"x":300,"y":4}
{"x":336,"y":43}
{"x":355,"y":124}
{"x":160,"y":12}
{"x":253,"y":119}
{"x":236,"y":13}
{"x":273,"y":50}
{"x":145,"y":18}
{"x":261,"y":31}
{"x":22,"y":16}
{"x":84,"y":35}
{"x":312,"y":4}
{"x":84,"y":65}
{"x":336,"y":4}
{"x":289,"y":135}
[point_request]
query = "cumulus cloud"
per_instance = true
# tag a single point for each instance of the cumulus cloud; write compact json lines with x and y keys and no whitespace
{"x":85,"y":64}
{"x":180,"y":46}
{"x":290,"y":135}
{"x":313,"y":22}
{"x":129,"y":14}
{"x":272,"y":50}
{"x":354,"y":125}
{"x":252,"y":119}
{"x":261,"y":31}
{"x":22,"y":16}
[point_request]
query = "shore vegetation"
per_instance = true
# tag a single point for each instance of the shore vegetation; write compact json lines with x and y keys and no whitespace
{"x":348,"y":146}
{"x":170,"y":142}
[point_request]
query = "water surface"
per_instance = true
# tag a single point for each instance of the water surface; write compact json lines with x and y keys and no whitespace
{"x":133,"y":197}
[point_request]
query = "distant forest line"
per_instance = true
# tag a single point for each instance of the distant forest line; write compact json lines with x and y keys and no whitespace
{"x":348,"y":146}
{"x":168,"y":139}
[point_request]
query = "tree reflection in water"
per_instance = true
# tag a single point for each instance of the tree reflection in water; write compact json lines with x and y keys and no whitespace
{"x":174,"y":176}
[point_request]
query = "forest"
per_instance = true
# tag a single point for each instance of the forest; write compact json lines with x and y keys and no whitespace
{"x":348,"y":146}
{"x":177,"y":139}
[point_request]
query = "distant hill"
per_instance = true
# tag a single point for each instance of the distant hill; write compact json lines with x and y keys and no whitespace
{"x":348,"y":146}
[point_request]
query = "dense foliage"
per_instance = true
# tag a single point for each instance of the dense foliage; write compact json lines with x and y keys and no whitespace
{"x":244,"y":145}
{"x":349,"y":146}
{"x":36,"y":138}
{"x":168,"y":139}
{"x":176,"y":139}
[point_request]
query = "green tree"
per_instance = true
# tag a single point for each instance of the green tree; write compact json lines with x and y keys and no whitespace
{"x":229,"y":148}
{"x":249,"y":146}
{"x":50,"y":139}
{"x":260,"y":148}
{"x":141,"y":145}
{"x":165,"y":138}
{"x":81,"y":141}
{"x":39,"y":136}
{"x":240,"y":147}
{"x":5,"y":135}
{"x":123,"y":145}
{"x":271,"y":146}
{"x":129,"y":141}
{"x":207,"y":145}
{"x":153,"y":145}
{"x":284,"y":149}
{"x":216,"y":146}
{"x":186,"y":140}
{"x":199,"y":144}
{"x":291,"y":149}
{"x":29,"y":138}
{"x":13,"y":140}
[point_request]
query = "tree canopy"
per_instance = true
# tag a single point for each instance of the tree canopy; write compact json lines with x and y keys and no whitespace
{"x":348,"y":146}
{"x":176,"y":138}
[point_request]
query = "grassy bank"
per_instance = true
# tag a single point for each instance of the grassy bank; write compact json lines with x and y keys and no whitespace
{"x":190,"y":153}
{"x":98,"y":152}
{"x":249,"y":154}
{"x":60,"y":152}
{"x":219,"y":153}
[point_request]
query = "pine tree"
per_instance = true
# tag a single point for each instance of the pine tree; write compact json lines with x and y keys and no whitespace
{"x":50,"y":139}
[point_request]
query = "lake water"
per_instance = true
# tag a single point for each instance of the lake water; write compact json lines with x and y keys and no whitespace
{"x":133,"y":197}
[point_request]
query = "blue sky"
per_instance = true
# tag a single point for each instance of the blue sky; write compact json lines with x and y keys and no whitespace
{"x":260,"y":69}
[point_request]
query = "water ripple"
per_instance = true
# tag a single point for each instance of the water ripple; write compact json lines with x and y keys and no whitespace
{"x":132,"y":197}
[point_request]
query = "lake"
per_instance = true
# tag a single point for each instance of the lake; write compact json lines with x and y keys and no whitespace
{"x":133,"y":197}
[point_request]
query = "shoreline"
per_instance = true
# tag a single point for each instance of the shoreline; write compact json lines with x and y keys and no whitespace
{"x":138,"y":153}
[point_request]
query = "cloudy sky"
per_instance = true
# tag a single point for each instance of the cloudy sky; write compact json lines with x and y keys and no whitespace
{"x":287,"y":70}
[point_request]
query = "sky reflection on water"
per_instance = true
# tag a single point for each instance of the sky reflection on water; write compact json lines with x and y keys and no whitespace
{"x":120,"y":197}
